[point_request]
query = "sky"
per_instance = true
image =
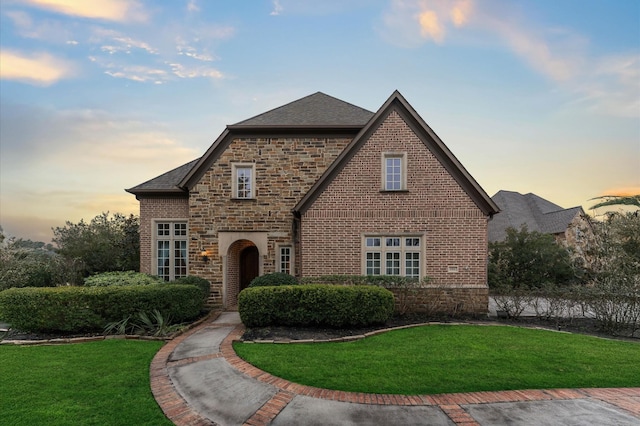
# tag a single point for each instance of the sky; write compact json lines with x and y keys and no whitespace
{"x":96,"y":96}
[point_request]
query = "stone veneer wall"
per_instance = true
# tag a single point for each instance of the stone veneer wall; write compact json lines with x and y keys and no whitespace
{"x":454,"y":229}
{"x":154,"y":208}
{"x":285,"y":169}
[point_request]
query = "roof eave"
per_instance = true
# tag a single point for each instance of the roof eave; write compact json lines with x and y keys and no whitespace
{"x":296,"y":129}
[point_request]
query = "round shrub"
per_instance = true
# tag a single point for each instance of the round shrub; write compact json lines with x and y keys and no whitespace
{"x":201,"y":283}
{"x":273,"y":279}
{"x":315,"y":305}
{"x":79,"y":309}
{"x":121,"y":278}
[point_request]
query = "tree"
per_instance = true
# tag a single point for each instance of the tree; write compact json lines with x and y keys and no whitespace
{"x":25,"y":263}
{"x":104,"y":244}
{"x":617,"y":200}
{"x":614,"y":285}
{"x":529,"y":260}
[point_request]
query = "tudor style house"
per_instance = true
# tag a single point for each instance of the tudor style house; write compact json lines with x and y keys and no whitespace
{"x":316,"y":187}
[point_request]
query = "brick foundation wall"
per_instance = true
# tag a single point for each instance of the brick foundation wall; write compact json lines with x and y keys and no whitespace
{"x":436,"y":300}
{"x":153,"y":208}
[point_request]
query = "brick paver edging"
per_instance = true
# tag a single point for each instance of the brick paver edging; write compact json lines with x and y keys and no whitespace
{"x":178,"y":411}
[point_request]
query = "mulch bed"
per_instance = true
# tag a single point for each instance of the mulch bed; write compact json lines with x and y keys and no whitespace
{"x":575,"y":325}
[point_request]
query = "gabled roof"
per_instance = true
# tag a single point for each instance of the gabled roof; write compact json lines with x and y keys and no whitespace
{"x":316,"y":110}
{"x":165,"y":183}
{"x":535,"y":212}
{"x":314,"y":113}
{"x":397,"y":102}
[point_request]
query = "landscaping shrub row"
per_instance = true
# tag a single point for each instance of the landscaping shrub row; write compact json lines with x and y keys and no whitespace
{"x":315,"y":305}
{"x":79,"y":309}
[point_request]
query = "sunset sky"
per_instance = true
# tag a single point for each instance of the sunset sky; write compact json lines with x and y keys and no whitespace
{"x":97,"y":96}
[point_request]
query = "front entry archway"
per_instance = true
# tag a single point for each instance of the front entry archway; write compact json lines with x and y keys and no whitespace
{"x":242,"y":264}
{"x":249,"y":266}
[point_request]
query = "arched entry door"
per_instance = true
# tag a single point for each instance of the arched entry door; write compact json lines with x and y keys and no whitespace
{"x":249,"y":266}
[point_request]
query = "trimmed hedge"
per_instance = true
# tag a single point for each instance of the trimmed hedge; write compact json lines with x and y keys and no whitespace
{"x":81,"y":309}
{"x":315,"y":305}
{"x":275,"y":278}
{"x":121,"y":278}
{"x":201,"y":283}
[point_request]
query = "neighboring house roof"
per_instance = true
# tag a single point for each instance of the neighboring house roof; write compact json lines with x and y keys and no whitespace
{"x":397,"y":102}
{"x":165,"y":183}
{"x":536,"y":213}
{"x":316,"y":110}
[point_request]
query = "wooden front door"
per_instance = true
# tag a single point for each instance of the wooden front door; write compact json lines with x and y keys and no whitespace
{"x":249,"y":268}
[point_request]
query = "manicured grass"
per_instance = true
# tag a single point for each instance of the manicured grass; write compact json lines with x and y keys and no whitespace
{"x":98,"y":383}
{"x":453,"y":358}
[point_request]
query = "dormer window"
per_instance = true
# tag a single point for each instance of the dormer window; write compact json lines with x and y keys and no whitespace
{"x":244,"y":181}
{"x":394,"y":171}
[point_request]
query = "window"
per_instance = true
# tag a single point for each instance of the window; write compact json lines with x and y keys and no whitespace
{"x":171,"y":250}
{"x":285,"y":259}
{"x":393,"y":255}
{"x":394,"y":171}
{"x":244,"y":181}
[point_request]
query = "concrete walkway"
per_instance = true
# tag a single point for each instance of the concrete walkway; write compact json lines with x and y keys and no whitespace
{"x":197,"y":379}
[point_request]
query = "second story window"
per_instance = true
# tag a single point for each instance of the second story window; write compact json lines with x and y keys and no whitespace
{"x":244,"y":181}
{"x":394,"y":172}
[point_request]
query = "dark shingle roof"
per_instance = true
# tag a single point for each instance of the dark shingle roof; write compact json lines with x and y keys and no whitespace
{"x":167,"y":182}
{"x":535,"y":212}
{"x":316,"y":110}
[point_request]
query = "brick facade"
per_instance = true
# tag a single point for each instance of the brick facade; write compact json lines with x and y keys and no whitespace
{"x":152,"y":209}
{"x":435,"y":206}
{"x":318,"y":188}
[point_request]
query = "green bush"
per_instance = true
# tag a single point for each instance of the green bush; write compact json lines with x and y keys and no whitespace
{"x":121,"y":278}
{"x":386,"y":281}
{"x":273,"y":279}
{"x":79,"y":309}
{"x":315,"y":305}
{"x":201,"y":283}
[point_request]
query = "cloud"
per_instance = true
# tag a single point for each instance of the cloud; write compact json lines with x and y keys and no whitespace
{"x":110,"y":10}
{"x":612,"y":86}
{"x":183,"y":71}
{"x":78,"y":162}
{"x":604,"y":85}
{"x":49,"y":30}
{"x":461,"y":12}
{"x":277,"y":8}
{"x":192,"y":6}
{"x":410,"y":23}
{"x":126,"y":45}
{"x":625,"y":191}
{"x":430,"y":26}
{"x":40,"y":69}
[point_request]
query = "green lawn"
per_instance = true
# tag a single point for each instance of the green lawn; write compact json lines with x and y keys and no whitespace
{"x":446,"y":358}
{"x":98,"y":383}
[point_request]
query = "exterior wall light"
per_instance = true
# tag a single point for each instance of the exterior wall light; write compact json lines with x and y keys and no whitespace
{"x":204,"y":255}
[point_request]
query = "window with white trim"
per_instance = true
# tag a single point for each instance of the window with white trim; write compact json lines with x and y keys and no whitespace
{"x":394,"y":171}
{"x":172,"y":255}
{"x":393,"y":255}
{"x":244,"y":179}
{"x":285,"y":259}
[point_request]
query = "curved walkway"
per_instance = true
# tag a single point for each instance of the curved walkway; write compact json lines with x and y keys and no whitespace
{"x":197,"y":379}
